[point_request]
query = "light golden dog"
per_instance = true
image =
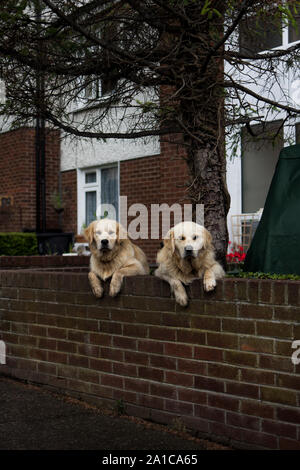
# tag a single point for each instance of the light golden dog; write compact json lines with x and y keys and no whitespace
{"x":188,"y":254}
{"x":112,"y":255}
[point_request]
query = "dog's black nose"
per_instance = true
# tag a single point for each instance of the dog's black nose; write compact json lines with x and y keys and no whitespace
{"x":188,"y":249}
{"x":104,"y":242}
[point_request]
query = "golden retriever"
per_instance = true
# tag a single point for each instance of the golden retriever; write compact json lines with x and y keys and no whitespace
{"x":188,"y":254}
{"x":112,"y":255}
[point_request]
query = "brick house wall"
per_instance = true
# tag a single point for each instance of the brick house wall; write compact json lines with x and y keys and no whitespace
{"x":18,"y":180}
{"x":69,"y":197}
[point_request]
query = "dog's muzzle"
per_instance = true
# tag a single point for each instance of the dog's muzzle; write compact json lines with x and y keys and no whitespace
{"x":104,"y":244}
{"x":188,"y":251}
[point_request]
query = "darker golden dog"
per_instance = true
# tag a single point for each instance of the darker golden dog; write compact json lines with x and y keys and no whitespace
{"x":112,"y":255}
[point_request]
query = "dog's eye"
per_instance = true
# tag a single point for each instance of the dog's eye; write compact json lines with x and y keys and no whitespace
{"x":98,"y":232}
{"x":182,"y":237}
{"x":195,"y":237}
{"x":111,"y":232}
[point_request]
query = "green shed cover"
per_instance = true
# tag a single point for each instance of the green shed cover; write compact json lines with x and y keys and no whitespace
{"x":275,"y":247}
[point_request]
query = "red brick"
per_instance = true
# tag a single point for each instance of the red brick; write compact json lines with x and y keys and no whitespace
{"x":275,"y":329}
{"x":176,"y":378}
{"x":78,"y":361}
{"x":288,"y":444}
{"x":191,"y":367}
{"x":163,"y":362}
{"x":238,"y":325}
{"x":210,"y":413}
{"x":278,"y":428}
{"x":222,"y":340}
{"x":178,"y":350}
{"x":290,"y":415}
{"x":243,"y":421}
{"x":150,"y":346}
{"x":88,"y":375}
{"x":243,"y":390}
{"x":151,"y":373}
{"x":208,"y":354}
{"x":255,"y":311}
{"x":100,"y":339}
{"x":179,"y":407}
{"x":223,"y":401}
{"x":113,"y":354}
{"x":257,"y":409}
{"x":136,"y":358}
{"x":162,"y":333}
{"x":124,"y":343}
{"x":190,"y":336}
{"x":206,"y":323}
{"x":255,"y":344}
{"x":240,"y":357}
{"x":112,"y":381}
{"x":136,"y":385}
{"x":262,"y":377}
{"x":101,"y":364}
{"x":163,"y":390}
{"x":125,"y":369}
{"x":206,"y":383}
{"x":293,"y":292}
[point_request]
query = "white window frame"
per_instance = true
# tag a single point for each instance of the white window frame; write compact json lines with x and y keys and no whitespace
{"x":83,"y":188}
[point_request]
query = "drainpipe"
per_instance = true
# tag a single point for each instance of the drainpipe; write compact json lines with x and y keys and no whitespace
{"x":40,"y":143}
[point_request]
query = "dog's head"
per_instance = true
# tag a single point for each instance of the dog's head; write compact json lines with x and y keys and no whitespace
{"x":105,"y":236}
{"x":188,"y":239}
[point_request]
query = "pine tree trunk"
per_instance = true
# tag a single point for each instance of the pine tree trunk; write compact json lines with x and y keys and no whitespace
{"x":208,"y":171}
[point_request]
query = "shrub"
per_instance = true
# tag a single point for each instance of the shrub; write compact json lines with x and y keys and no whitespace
{"x":259,"y":275}
{"x":18,"y":244}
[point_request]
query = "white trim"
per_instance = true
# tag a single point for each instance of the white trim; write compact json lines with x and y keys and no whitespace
{"x":83,"y":188}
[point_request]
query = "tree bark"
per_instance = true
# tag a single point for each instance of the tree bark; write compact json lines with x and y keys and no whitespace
{"x":210,"y":189}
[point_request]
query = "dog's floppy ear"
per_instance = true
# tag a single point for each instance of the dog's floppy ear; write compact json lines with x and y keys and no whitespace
{"x":89,"y":233}
{"x":207,"y":239}
{"x":121,"y":232}
{"x":169,"y":240}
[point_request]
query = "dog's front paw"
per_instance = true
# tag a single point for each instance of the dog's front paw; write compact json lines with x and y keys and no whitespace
{"x":180,"y":294}
{"x":95,"y":284}
{"x":98,"y":291}
{"x":209,"y":284}
{"x":181,"y":299}
{"x":115,"y":285}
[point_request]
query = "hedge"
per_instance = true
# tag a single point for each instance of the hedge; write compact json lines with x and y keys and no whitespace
{"x":18,"y":244}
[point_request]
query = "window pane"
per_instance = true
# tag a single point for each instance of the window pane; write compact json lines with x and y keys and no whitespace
{"x":90,"y":206}
{"x":259,"y":157}
{"x":294,"y":31}
{"x":109,"y":187}
{"x":298,"y":133}
{"x":90,"y":177}
{"x":258,"y":35}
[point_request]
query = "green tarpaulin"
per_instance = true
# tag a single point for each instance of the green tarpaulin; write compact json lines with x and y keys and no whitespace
{"x":275,"y":247}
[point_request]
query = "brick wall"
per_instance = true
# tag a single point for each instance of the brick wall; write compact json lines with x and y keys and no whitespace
{"x":45,"y":262}
{"x":17,"y":178}
{"x":223,"y":364}
{"x":69,"y":198}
